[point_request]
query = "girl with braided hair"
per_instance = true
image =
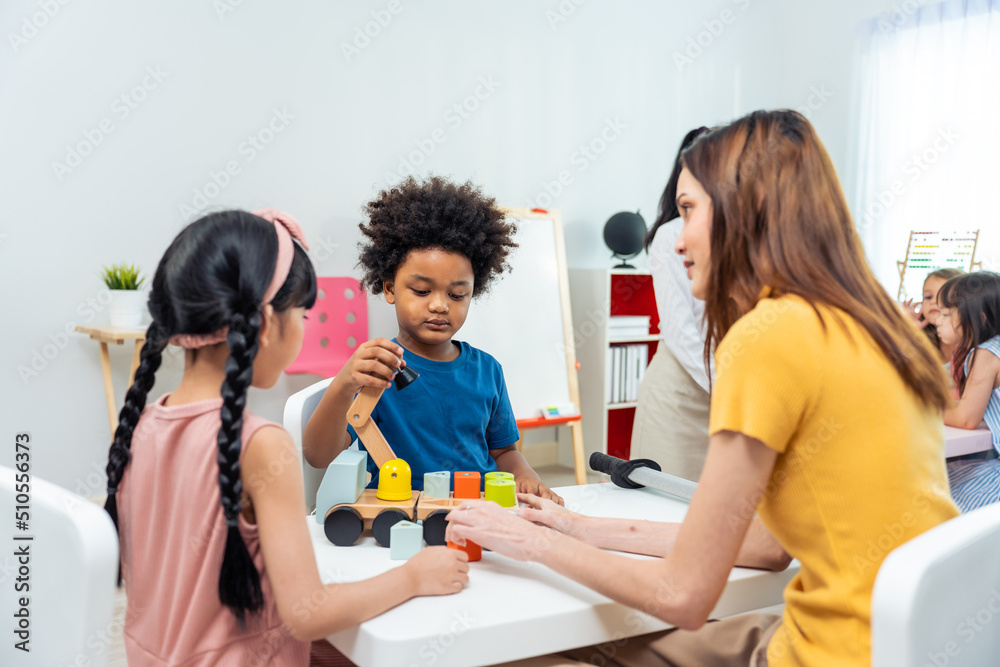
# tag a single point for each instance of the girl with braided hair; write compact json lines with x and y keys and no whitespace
{"x":207,"y":497}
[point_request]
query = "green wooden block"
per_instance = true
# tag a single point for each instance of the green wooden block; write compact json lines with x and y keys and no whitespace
{"x":343,"y":481}
{"x":437,"y":484}
{"x":502,"y":491}
{"x":405,"y":540}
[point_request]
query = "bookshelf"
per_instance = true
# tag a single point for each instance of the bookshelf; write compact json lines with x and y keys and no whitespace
{"x":597,"y":295}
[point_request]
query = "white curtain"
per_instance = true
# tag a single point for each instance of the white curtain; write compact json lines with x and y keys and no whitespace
{"x":927,"y":140}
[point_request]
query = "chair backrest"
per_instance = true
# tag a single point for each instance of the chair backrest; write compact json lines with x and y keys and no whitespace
{"x":67,"y":576}
{"x":337,"y":325}
{"x":936,"y":599}
{"x":298,"y":409}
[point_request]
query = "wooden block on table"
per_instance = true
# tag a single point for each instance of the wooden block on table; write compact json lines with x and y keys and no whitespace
{"x":502,"y":491}
{"x":343,"y":481}
{"x":437,"y":484}
{"x":474,"y":551}
{"x":407,"y":538}
{"x":468,"y":485}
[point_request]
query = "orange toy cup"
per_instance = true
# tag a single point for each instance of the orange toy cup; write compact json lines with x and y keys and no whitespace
{"x":467,"y":486}
{"x":474,"y":551}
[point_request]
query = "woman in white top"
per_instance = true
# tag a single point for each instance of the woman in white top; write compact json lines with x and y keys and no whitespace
{"x":671,"y":419}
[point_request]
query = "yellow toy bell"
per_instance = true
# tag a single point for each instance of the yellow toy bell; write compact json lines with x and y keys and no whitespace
{"x":394,"y":481}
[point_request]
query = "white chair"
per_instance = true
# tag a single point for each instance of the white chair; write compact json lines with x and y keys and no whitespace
{"x":936,"y":599}
{"x":71,"y":569}
{"x":298,"y":410}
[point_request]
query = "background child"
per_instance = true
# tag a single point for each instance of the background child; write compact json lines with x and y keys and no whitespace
{"x":430,"y":247}
{"x":927,"y":317}
{"x":970,"y":321}
{"x":192,"y":482}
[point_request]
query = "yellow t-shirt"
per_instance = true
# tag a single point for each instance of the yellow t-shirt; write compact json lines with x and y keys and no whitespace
{"x":860,"y":466}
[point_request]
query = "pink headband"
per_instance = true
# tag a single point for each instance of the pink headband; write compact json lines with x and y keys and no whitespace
{"x":287,"y":228}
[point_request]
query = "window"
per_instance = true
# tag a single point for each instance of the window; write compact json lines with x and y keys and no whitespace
{"x":928,"y":134}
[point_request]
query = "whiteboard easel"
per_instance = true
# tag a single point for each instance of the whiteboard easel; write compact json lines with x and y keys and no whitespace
{"x":930,"y":251}
{"x":525,"y":322}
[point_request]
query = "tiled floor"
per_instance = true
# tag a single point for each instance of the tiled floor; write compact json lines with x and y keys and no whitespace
{"x":552,"y":475}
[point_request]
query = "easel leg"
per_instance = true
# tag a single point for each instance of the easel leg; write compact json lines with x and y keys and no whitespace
{"x":135,"y":361}
{"x":578,"y":459}
{"x":109,"y":390}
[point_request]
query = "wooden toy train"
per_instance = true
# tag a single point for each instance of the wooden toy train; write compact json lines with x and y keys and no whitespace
{"x":399,"y":517}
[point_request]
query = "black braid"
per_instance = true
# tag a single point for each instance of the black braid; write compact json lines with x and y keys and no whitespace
{"x":135,"y":400}
{"x":239,"y":581}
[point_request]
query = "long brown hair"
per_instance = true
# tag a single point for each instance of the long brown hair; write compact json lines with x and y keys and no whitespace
{"x":976,"y":298}
{"x":780,"y":221}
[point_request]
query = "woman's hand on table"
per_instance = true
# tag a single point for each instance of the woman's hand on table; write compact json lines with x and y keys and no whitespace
{"x":551,"y":515}
{"x":497,"y":529}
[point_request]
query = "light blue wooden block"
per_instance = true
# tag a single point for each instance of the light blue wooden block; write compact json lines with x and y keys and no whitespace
{"x":405,"y":540}
{"x":437,"y":484}
{"x":343,"y":481}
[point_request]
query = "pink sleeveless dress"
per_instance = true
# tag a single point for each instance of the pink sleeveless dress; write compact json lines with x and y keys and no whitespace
{"x":173,"y":536}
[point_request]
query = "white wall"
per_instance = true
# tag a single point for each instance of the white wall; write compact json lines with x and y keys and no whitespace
{"x":553,"y":87}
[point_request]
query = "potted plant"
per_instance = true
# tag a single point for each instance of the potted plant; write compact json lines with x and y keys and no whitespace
{"x":128,"y":302}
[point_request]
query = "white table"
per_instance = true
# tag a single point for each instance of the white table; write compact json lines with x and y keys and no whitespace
{"x":513,"y":610}
{"x":961,"y":441}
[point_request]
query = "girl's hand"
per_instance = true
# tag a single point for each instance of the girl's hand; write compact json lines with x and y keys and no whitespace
{"x":439,"y":571}
{"x":373,"y":364}
{"x":497,"y":529}
{"x":911,"y":309}
{"x":547,"y":513}
{"x":536,"y":487}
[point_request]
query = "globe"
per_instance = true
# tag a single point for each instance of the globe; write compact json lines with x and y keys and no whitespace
{"x":624,"y":234}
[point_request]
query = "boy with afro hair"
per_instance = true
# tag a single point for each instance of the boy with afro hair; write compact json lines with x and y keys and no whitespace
{"x":430,"y":247}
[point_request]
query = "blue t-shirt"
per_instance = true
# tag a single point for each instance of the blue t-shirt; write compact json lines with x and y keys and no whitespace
{"x":449,"y":417}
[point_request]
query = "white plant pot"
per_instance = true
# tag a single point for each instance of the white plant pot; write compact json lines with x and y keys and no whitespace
{"x":127,"y":307}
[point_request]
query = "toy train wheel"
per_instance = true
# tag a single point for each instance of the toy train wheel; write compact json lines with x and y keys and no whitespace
{"x":383,"y":523}
{"x":343,"y":526}
{"x":434,"y":527}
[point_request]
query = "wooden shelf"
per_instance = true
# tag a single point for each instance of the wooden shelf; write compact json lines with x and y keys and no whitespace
{"x":598,"y":295}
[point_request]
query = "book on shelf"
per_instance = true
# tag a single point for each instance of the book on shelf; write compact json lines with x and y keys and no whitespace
{"x":626,"y":367}
{"x":628,"y":326}
{"x":616,"y":321}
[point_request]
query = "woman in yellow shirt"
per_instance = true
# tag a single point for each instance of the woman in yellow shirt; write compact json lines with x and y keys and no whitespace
{"x":825,"y":421}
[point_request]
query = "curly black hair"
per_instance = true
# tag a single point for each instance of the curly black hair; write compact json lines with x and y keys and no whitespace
{"x":435,"y":213}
